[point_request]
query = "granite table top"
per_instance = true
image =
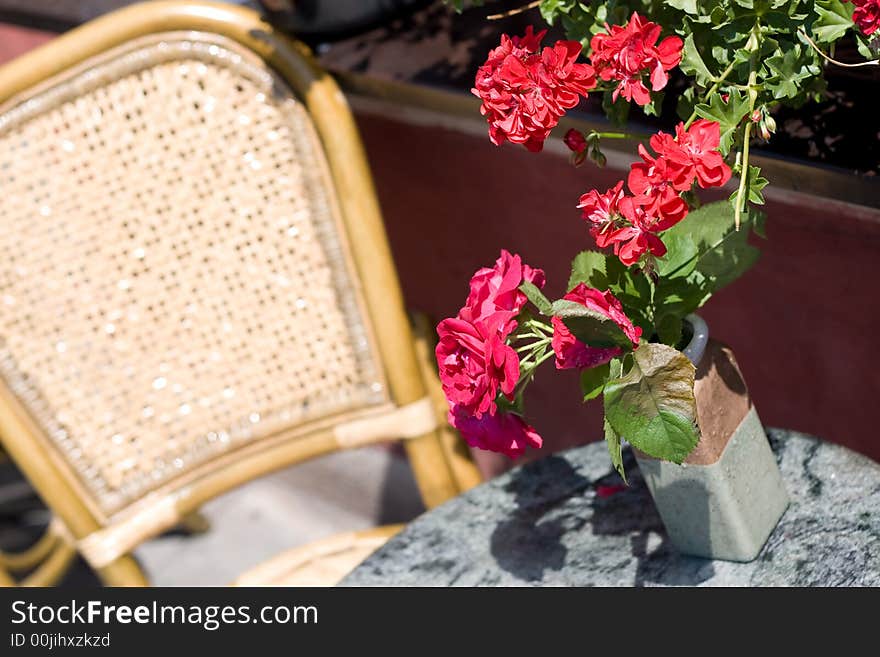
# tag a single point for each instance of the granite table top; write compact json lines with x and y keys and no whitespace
{"x":566,"y":521}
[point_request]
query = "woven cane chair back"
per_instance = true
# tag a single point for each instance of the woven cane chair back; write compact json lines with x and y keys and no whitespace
{"x":175,"y":279}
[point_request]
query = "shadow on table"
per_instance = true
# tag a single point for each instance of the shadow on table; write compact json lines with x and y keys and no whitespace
{"x":527,"y":544}
{"x":530,"y":541}
{"x":631,"y":512}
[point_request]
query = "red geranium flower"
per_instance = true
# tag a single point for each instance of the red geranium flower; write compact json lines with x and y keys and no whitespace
{"x":602,"y":212}
{"x":626,"y":53}
{"x":570,"y":352}
{"x":627,"y":223}
{"x":657,"y":182}
{"x":502,"y":432}
{"x":638,"y":238}
{"x":474,"y":363}
{"x":632,"y":242}
{"x":698,"y":147}
{"x":524,"y":91}
{"x":473,"y":359}
{"x":496,"y":289}
{"x":866,"y":15}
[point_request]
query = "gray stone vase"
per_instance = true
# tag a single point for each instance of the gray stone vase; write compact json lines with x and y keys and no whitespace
{"x":728,"y":495}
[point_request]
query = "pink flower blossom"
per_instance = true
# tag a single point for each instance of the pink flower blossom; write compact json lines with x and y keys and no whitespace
{"x":496,"y":289}
{"x":502,"y":432}
{"x":475,"y":364}
{"x":570,"y":352}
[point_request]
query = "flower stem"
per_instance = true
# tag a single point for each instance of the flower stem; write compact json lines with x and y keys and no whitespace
{"x":539,"y":327}
{"x":615,"y":135}
{"x":528,"y":371}
{"x":545,"y":357}
{"x":514,"y":11}
{"x":712,"y":90}
{"x":870,"y":62}
{"x":532,"y":346}
{"x":741,"y":198}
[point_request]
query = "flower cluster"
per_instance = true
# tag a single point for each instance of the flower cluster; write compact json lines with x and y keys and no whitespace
{"x":626,"y":53}
{"x":481,"y":372}
{"x":477,"y":363}
{"x":866,"y":15}
{"x":570,"y":352}
{"x":630,"y":223}
{"x":525,"y":90}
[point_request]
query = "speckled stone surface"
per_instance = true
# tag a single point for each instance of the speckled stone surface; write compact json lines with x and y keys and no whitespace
{"x":558,"y":522}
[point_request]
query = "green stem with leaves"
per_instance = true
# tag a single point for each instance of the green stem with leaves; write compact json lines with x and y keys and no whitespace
{"x":754,"y":46}
{"x":711,"y":91}
{"x":527,"y":371}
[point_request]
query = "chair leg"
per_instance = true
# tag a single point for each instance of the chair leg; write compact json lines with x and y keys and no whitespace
{"x":34,"y":555}
{"x":48,"y":572}
{"x":124,"y":571}
{"x":46,"y":561}
{"x":433,"y":476}
{"x":5,"y":578}
{"x":56,"y":564}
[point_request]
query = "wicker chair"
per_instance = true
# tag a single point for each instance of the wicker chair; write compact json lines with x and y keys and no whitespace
{"x":195,"y":287}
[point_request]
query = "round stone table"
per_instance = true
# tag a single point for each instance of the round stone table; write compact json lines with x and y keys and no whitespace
{"x":565,"y":521}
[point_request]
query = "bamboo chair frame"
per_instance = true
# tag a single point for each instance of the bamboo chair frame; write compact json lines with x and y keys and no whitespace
{"x":439,"y":459}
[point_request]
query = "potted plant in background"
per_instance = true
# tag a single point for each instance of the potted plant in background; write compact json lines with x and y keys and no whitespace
{"x":626,"y":321}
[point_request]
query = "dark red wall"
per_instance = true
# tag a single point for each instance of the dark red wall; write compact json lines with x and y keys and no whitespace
{"x":803,"y":322}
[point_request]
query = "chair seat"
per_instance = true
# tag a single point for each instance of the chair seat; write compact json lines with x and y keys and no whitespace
{"x":321,"y":563}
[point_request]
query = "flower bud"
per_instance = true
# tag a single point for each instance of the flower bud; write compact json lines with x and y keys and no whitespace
{"x":767,"y":127}
{"x":575,"y":141}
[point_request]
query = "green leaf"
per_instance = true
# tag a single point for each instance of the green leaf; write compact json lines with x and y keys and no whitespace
{"x":754,"y":184}
{"x":868,"y":48}
{"x":835,"y":18}
{"x":786,"y":70}
{"x":653,"y":405}
{"x":606,"y":272}
{"x":687,"y":6}
{"x":549,"y":9}
{"x":692,"y":62}
{"x":653,"y":107}
{"x":728,"y":115}
{"x":669,"y":329}
{"x":615,"y":450}
{"x":588,"y":267}
{"x":681,"y":254}
{"x":686,"y":103}
{"x":590,"y":326}
{"x":721,"y":249}
{"x":593,"y":381}
{"x":537,"y":297}
{"x":722,"y":255}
